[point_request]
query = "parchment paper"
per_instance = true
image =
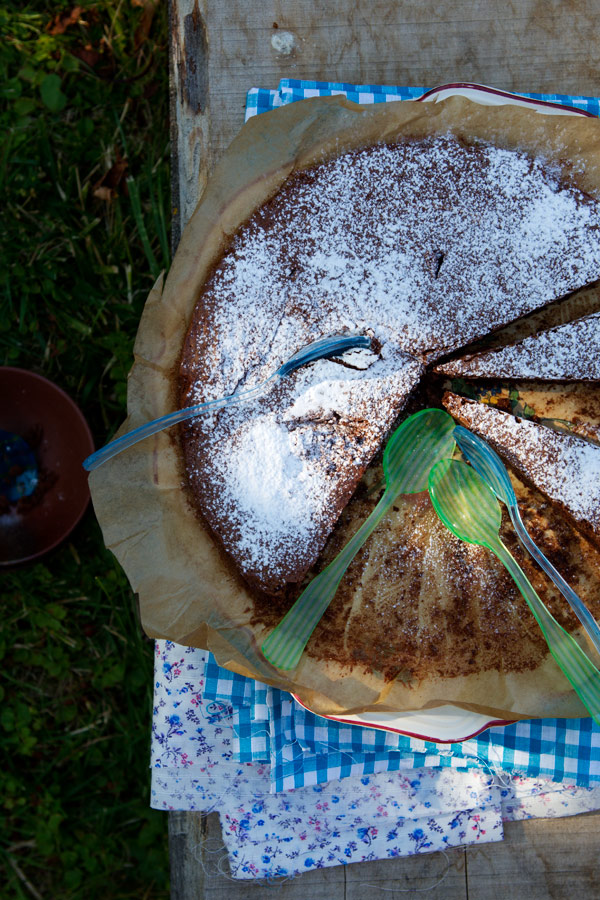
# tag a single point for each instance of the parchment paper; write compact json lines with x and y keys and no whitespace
{"x":187,"y":591}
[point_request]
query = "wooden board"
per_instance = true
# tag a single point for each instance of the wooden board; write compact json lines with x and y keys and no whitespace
{"x":195,"y":875}
{"x":219,"y":51}
{"x":540,"y":859}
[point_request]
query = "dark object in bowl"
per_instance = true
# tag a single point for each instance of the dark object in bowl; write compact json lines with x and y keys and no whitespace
{"x":18,"y":469}
{"x":54,"y":428}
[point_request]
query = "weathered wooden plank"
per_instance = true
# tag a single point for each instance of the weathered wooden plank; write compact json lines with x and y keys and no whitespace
{"x":187,"y":839}
{"x":220,"y":50}
{"x":190,"y":111}
{"x":539,"y":859}
{"x":437,"y":876}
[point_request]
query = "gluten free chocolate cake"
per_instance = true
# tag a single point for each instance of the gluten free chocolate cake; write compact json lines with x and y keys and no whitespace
{"x":568,"y":352}
{"x":438,"y":230}
{"x":426,"y":246}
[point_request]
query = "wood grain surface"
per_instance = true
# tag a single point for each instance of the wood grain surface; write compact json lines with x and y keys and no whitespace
{"x":539,"y":859}
{"x":219,"y":51}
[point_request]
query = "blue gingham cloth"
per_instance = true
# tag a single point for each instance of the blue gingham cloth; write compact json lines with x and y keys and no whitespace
{"x":259,"y":100}
{"x":304,"y":749}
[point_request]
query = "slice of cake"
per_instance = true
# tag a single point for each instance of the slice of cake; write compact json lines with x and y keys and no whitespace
{"x":417,"y":602}
{"x":568,"y":352}
{"x":566,"y":469}
{"x":273,"y":474}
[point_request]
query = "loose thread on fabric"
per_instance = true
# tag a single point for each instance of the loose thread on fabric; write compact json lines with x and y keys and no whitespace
{"x":493,"y":769}
{"x":265,"y":758}
{"x":222,"y":869}
{"x":223,"y":860}
{"x":400,"y":890}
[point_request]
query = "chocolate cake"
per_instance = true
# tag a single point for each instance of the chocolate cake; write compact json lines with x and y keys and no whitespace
{"x":274,"y":474}
{"x":425,"y":245}
{"x":569,"y":352}
{"x":563,"y":467}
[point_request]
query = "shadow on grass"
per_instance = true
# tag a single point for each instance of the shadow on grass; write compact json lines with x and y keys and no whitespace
{"x":85,"y":181}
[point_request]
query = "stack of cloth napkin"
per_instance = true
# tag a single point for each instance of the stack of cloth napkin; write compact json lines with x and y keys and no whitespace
{"x":296,"y":791}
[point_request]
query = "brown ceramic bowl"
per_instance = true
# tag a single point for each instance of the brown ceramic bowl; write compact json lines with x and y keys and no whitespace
{"x":47,"y":418}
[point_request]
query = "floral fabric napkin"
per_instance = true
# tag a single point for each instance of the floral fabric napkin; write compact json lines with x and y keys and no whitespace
{"x":351,"y":819}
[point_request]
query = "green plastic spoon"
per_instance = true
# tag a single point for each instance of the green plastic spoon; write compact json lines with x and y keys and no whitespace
{"x":414,"y":447}
{"x":488,"y":464}
{"x":469,"y":508}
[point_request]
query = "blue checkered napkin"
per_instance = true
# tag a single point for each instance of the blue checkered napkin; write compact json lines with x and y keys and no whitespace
{"x":294,"y":764}
{"x":562,"y":749}
{"x":249,"y":716}
{"x":227,"y":687}
{"x":260,"y":100}
{"x":306,"y":749}
{"x":291,"y":89}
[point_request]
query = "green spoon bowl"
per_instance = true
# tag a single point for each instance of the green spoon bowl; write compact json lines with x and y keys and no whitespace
{"x":469,"y":508}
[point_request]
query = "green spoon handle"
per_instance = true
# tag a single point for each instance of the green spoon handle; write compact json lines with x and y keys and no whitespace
{"x":582,"y":612}
{"x":285,"y":645}
{"x":574,"y":662}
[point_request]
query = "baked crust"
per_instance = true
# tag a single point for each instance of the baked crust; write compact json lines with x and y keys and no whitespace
{"x":563,"y":467}
{"x":568,"y":352}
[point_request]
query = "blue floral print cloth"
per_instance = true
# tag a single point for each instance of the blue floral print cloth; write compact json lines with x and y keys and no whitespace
{"x":350,"y":819}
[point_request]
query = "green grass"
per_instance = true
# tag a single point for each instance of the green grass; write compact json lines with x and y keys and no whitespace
{"x":85,"y":188}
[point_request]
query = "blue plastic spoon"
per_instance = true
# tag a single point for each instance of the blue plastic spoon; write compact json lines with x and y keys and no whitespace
{"x":320,"y":349}
{"x":491,"y":468}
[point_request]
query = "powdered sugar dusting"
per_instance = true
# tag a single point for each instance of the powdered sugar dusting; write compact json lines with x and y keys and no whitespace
{"x":278,"y":468}
{"x":567,"y":352}
{"x":270,"y":486}
{"x":430,"y":244}
{"x":423,"y":245}
{"x":565,"y":468}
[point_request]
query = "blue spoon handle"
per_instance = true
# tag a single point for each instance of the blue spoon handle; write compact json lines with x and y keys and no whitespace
{"x":323,"y":347}
{"x":581,"y":611}
{"x":490,"y":467}
{"x":180,"y":415}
